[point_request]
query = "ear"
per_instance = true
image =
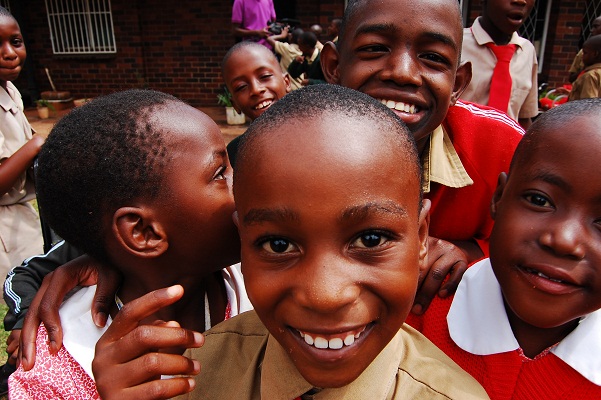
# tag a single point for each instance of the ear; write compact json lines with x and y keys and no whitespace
{"x":424,"y":225}
{"x":329,"y":59}
{"x":287,"y":80}
{"x":138,"y":232}
{"x":496,"y":198}
{"x":463,"y":77}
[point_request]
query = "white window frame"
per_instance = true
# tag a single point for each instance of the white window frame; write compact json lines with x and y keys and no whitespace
{"x":528,"y":30}
{"x":81,"y":27}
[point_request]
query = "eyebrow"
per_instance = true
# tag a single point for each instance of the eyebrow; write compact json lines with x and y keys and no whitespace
{"x":387,"y":27}
{"x":548,"y":177}
{"x":259,"y":215}
{"x":363,"y":211}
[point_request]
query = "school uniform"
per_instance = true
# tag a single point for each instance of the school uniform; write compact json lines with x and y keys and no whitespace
{"x":288,"y":52}
{"x":241,"y":360}
{"x":461,"y":167}
{"x":473,"y":329}
{"x":523,"y":69}
{"x":588,"y":85}
{"x":20,"y":229}
{"x":68,"y":375}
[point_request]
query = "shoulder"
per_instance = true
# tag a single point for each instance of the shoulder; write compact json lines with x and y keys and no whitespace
{"x":426,"y":365}
{"x":466,"y":119}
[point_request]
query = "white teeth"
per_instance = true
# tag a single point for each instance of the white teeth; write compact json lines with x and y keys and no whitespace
{"x":321,"y":343}
{"x":335,"y":343}
{"x":309,"y":340}
{"x":399,"y":106}
{"x":264,"y":104}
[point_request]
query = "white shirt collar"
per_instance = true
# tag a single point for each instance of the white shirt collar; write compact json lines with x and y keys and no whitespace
{"x":479,"y":325}
{"x":482,"y":37}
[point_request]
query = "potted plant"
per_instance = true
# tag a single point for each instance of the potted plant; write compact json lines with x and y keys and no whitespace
{"x":44,"y":108}
{"x":232,"y":116}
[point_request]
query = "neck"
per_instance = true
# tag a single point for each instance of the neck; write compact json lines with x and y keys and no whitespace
{"x":534,"y":340}
{"x":189,"y":310}
{"x":500,"y":38}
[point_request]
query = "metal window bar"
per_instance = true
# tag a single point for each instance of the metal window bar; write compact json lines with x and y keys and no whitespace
{"x":535,"y":29}
{"x":5,"y":4}
{"x":81,"y":26}
{"x":591,"y":12}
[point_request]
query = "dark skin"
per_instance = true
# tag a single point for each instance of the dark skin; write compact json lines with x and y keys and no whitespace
{"x":407,"y":61}
{"x":545,"y":247}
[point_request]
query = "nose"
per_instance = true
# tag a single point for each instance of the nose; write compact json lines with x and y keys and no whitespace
{"x":8,"y":52}
{"x":257,"y":87}
{"x":328,"y":286}
{"x":403,"y":69}
{"x":565,"y":238}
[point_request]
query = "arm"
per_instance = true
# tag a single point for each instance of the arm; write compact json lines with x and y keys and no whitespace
{"x":243,"y":32}
{"x":127,"y":364}
{"x":274,"y":38}
{"x":82,"y":271}
{"x":12,"y":167}
{"x":297,"y":67}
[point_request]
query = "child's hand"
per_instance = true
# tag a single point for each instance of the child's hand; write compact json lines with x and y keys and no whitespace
{"x":299,"y":59}
{"x":127,"y":364}
{"x":82,"y":271}
{"x":12,"y":346}
{"x":444,"y":258}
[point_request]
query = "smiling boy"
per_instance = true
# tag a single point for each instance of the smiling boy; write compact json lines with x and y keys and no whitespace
{"x":331,"y":281}
{"x":525,"y":323}
{"x":410,"y":61}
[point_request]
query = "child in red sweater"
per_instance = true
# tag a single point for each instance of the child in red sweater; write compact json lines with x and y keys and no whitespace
{"x":525,"y":322}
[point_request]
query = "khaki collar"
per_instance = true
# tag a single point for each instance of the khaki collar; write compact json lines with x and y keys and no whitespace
{"x":281,"y":380}
{"x":441,"y":163}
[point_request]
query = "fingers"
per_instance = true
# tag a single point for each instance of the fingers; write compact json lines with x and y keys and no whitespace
{"x":109,"y":280}
{"x":30,"y":328}
{"x":450,"y":286}
{"x":444,"y":258}
{"x":135,"y":311}
{"x":153,"y":390}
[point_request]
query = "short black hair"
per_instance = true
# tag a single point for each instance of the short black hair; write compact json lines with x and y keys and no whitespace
{"x":315,"y":101}
{"x":308,"y":38}
{"x":97,"y":158}
{"x":556,"y":116}
{"x":594,"y":42}
{"x":243,"y":45}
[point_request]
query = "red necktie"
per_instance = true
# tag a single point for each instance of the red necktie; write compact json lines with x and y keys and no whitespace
{"x":500,"y":84}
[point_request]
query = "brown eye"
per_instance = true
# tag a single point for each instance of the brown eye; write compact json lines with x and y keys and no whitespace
{"x":278,"y":246}
{"x":370,"y":239}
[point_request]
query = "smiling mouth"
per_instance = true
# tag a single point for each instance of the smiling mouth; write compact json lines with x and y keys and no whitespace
{"x":540,"y":274}
{"x":400,"y":106}
{"x":332,"y":342}
{"x":264,"y":104}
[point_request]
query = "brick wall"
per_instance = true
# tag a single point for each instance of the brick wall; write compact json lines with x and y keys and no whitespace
{"x":177,"y":46}
{"x":172,"y":46}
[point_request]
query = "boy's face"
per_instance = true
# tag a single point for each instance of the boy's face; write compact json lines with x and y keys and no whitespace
{"x":198,"y":199}
{"x":306,"y":49}
{"x":545,"y":246}
{"x":596,"y":27}
{"x":589,"y":55}
{"x":406,"y":58}
{"x":507,"y":15}
{"x":255,"y":80}
{"x":332,"y":238}
{"x":12,"y":49}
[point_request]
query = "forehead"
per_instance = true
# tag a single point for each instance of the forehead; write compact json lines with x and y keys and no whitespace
{"x":8,"y":22}
{"x":330,"y":152}
{"x":187,"y":126}
{"x":408,"y":18}
{"x":247,"y":60}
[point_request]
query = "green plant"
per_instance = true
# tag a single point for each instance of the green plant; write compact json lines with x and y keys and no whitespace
{"x":44,"y":103}
{"x":225,"y":98}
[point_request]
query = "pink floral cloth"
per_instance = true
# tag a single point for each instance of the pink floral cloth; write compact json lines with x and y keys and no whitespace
{"x":68,"y":379}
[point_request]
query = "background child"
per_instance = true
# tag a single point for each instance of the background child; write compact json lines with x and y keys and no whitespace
{"x":525,"y":323}
{"x":309,"y":62}
{"x":463,"y":147}
{"x":588,"y":84}
{"x":491,"y":34}
{"x":287,"y":51}
{"x":20,"y":230}
{"x":331,"y":281}
{"x":138,"y":154}
{"x":577,"y":65}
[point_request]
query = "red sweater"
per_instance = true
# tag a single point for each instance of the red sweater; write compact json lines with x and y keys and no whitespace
{"x":507,"y":375}
{"x":485,"y":141}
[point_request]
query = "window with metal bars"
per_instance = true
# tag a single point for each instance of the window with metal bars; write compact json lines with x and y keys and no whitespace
{"x":535,"y":28}
{"x":81,"y":27}
{"x":591,"y":12}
